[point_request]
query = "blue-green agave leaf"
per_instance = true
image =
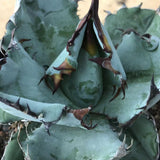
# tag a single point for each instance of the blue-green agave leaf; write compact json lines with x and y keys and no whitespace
{"x":74,"y":143}
{"x":145,"y":143}
{"x":115,"y":61}
{"x":143,"y":80}
{"x":140,"y":57}
{"x":154,"y":27}
{"x":7,"y":118}
{"x":17,"y":106}
{"x":65,"y":55}
{"x":25,"y":82}
{"x":96,"y":47}
{"x":66,"y":142}
{"x":77,"y":143}
{"x":48,"y":25}
{"x":128,"y":18}
{"x":86,"y":90}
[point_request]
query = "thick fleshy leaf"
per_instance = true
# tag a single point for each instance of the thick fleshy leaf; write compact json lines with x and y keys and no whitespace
{"x":20,"y":107}
{"x":7,"y":118}
{"x":115,"y":61}
{"x":145,"y":143}
{"x":140,"y":58}
{"x":155,"y":27}
{"x":24,"y":83}
{"x":20,"y":77}
{"x":91,"y":39}
{"x":128,"y":18}
{"x":67,"y":61}
{"x":48,"y":25}
{"x":86,"y":90}
{"x":75,"y":144}
{"x":141,"y":85}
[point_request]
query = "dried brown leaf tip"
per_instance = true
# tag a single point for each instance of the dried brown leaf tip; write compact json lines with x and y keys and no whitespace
{"x":91,"y":16}
{"x":105,"y":63}
{"x":81,"y":114}
{"x":65,"y":67}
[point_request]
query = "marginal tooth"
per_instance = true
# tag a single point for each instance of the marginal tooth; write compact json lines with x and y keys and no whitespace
{"x":68,"y":65}
{"x":122,"y":2}
{"x":108,"y":12}
{"x":114,"y":89}
{"x":80,"y":114}
{"x":12,"y":43}
{"x":116,"y":95}
{"x":65,"y":66}
{"x":57,"y":79}
{"x":30,"y":112}
{"x":43,"y":78}
{"x":17,"y":104}
{"x":158,"y":10}
{"x":140,"y":5}
{"x":121,"y":88}
{"x":88,"y":126}
{"x":105,"y":63}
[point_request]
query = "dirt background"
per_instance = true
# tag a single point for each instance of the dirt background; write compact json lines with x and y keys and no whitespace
{"x":7,"y":8}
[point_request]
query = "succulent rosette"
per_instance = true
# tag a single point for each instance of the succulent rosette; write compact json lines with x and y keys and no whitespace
{"x":77,"y":89}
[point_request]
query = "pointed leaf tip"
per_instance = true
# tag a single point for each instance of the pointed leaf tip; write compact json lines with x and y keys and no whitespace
{"x":153,"y":89}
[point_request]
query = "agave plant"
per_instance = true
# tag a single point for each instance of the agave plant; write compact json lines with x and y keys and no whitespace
{"x":80,"y":92}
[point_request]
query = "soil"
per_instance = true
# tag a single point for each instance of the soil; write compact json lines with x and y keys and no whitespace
{"x":4,"y":137}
